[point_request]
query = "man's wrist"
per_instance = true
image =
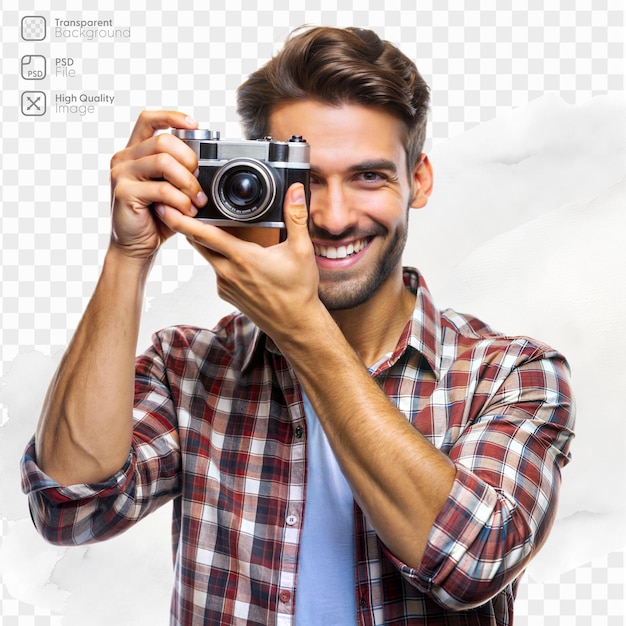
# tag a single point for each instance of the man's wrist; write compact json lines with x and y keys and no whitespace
{"x":312,"y":339}
{"x":128,"y":265}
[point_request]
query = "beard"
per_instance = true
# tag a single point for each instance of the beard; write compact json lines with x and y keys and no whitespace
{"x":347,"y":290}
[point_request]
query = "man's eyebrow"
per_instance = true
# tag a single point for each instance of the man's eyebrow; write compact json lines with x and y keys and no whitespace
{"x":373,"y":165}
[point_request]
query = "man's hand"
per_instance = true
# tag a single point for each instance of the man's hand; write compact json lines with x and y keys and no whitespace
{"x":276,"y":286}
{"x":85,"y":430}
{"x":153,"y":169}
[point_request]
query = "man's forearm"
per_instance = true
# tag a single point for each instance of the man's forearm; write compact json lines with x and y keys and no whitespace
{"x":398,"y":477}
{"x":84,"y":433}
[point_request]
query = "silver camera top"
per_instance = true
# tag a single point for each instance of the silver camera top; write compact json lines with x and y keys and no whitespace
{"x":200,"y":133}
{"x":207,"y":144}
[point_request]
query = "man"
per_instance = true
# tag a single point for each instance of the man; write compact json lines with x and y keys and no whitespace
{"x":340,"y":452}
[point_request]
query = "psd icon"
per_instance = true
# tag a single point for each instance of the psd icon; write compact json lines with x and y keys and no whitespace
{"x":33,"y":28}
{"x":33,"y":67}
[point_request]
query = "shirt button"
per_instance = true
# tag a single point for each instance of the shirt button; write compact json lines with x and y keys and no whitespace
{"x":285,"y":596}
{"x":299,"y":432}
{"x":292,"y":519}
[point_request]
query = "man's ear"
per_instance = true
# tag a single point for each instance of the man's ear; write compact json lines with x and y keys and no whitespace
{"x":422,"y":179}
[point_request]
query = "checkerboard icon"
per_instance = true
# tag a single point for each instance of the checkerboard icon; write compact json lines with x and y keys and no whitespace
{"x":33,"y":28}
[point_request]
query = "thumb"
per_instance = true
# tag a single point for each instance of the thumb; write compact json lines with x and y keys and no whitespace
{"x":295,"y":210}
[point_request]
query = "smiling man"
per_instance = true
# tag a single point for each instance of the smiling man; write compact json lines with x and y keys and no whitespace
{"x":338,"y":451}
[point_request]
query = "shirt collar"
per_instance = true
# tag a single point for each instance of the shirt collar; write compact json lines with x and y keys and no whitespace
{"x":257,"y":340}
{"x":422,"y":333}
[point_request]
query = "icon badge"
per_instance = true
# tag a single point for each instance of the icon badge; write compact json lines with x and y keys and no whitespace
{"x":33,"y":67}
{"x":33,"y":28}
{"x":33,"y":103}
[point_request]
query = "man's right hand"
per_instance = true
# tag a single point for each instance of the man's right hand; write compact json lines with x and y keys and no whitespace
{"x":152,"y":169}
{"x":85,"y":431}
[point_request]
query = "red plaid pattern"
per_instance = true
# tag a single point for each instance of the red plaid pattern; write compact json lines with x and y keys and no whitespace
{"x":220,"y":429}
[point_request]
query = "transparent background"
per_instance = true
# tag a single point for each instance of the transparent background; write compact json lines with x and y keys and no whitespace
{"x":527,"y":138}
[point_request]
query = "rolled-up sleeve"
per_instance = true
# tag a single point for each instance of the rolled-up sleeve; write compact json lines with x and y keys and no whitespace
{"x":84,"y":513}
{"x":504,"y":499}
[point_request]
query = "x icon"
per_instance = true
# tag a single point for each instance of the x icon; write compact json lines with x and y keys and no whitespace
{"x":33,"y":103}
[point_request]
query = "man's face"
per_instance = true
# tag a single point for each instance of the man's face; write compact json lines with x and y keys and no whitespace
{"x":360,"y":195}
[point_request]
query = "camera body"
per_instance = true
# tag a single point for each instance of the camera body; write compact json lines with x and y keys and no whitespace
{"x":246,"y":180}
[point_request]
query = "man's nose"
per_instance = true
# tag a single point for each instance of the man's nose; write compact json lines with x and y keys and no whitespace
{"x":331,"y":209}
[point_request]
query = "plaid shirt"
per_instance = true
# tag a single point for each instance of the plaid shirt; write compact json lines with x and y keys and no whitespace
{"x":500,"y":407}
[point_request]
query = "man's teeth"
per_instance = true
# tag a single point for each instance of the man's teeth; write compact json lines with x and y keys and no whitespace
{"x":341,"y":252}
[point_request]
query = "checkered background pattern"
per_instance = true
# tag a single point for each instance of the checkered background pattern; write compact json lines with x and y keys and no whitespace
{"x":480,"y":58}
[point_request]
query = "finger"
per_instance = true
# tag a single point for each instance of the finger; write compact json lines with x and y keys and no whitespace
{"x":212,"y":257}
{"x":296,"y":216}
{"x":149,"y":122}
{"x":159,"y":144}
{"x":165,"y":230}
{"x":163,"y":168}
{"x":142,"y":194}
{"x":207,"y":235}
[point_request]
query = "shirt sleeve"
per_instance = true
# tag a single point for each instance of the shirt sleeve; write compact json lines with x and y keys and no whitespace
{"x":504,"y":498}
{"x":84,"y":513}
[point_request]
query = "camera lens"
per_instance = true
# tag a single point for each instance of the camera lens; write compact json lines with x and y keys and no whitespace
{"x":242,"y":189}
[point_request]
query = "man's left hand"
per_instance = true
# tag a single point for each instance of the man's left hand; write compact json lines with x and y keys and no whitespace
{"x":275,"y":286}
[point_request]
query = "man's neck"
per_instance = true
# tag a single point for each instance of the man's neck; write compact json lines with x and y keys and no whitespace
{"x":374,"y":327}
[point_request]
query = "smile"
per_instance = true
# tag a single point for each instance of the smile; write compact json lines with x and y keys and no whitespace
{"x":340,"y":252}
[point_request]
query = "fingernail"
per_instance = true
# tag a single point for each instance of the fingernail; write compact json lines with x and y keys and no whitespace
{"x":202,"y":198}
{"x":297,"y":194}
{"x":159,"y":208}
{"x":191,"y":121}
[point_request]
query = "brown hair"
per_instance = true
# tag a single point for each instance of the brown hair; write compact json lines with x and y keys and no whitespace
{"x":338,"y":66}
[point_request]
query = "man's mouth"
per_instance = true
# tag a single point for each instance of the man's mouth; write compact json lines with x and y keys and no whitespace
{"x":340,"y":252}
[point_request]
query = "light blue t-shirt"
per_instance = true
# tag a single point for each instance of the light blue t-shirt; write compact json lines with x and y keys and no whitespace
{"x":325,"y":590}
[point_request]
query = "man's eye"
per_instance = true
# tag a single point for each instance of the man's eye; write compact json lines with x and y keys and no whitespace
{"x":372,"y":177}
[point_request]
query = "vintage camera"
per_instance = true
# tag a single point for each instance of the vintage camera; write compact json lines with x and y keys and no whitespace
{"x":246,"y":180}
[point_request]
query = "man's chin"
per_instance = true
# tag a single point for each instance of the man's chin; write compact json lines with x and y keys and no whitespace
{"x":341,"y":295}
